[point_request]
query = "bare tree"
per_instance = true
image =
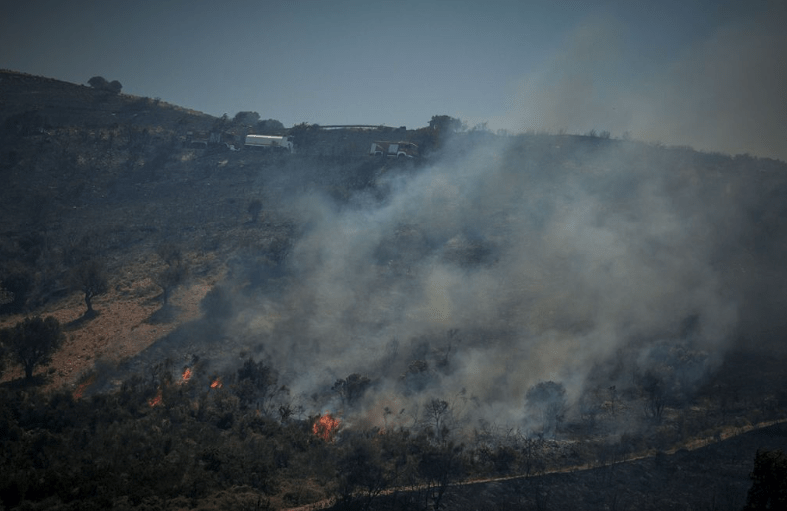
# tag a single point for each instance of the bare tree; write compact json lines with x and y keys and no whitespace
{"x":653,"y":390}
{"x":438,"y":417}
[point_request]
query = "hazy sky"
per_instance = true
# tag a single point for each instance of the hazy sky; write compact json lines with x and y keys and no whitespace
{"x":639,"y":66}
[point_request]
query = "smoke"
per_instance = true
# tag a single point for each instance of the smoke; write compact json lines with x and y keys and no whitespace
{"x":726,"y":92}
{"x":485,"y":273}
{"x":723,"y":92}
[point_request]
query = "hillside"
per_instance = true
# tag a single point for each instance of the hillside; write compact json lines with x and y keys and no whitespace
{"x":498,"y":306}
{"x":58,"y":103}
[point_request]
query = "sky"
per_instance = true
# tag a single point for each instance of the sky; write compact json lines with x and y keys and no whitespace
{"x":709,"y":74}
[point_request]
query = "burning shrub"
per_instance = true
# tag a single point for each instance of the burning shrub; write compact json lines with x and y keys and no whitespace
{"x":326,"y":427}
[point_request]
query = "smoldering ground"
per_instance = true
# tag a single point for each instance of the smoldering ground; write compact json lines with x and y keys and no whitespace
{"x":477,"y":276}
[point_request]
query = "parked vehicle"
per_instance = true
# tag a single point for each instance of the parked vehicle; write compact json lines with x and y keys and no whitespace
{"x":394,"y":149}
{"x":269,"y":142}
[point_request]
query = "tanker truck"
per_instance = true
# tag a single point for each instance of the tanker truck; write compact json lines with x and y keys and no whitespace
{"x":269,"y":142}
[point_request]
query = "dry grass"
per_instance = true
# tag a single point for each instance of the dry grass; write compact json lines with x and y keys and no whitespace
{"x":120,"y":330}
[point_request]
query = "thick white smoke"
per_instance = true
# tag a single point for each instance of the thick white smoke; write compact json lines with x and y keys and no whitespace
{"x":546,"y":266}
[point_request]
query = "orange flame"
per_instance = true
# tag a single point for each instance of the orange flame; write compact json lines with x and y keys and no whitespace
{"x":156,"y":400}
{"x":186,"y":375}
{"x":80,"y":390}
{"x":216,"y":384}
{"x":325,"y":427}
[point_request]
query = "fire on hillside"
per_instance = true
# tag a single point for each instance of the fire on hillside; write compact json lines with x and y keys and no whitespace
{"x":326,"y":427}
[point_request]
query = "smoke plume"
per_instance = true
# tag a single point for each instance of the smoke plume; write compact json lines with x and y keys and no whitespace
{"x":723,"y":92}
{"x":474,"y":278}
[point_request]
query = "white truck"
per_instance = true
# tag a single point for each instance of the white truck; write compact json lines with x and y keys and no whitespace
{"x":269,"y":142}
{"x":395,"y":149}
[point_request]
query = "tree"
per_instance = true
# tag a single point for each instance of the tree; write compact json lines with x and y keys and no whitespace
{"x":170,"y":254}
{"x":248,"y":118}
{"x":362,"y":475}
{"x":481,"y":127}
{"x":169,"y":278}
{"x":258,"y":382}
{"x":446,"y":123}
{"x":270,"y":127}
{"x":32,"y":342}
{"x":653,"y":389}
{"x":100,"y":83}
{"x":547,"y":402}
{"x":769,"y":481}
{"x":438,"y":417}
{"x":352,"y":389}
{"x":90,"y":278}
{"x":304,"y":134}
{"x":175,"y":272}
{"x":437,"y":467}
{"x":114,"y":87}
{"x":15,"y":287}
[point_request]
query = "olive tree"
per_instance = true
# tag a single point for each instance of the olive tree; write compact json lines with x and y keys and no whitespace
{"x":32,"y":342}
{"x":248,"y":118}
{"x":175,"y":272}
{"x":101,"y":83}
{"x":90,"y":278}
